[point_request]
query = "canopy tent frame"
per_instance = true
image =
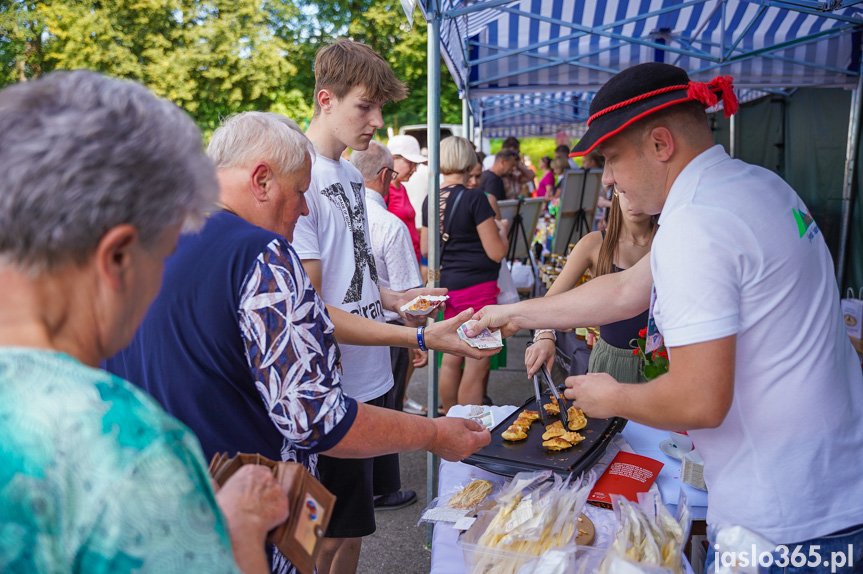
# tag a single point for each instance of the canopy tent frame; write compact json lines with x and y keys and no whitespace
{"x":838,"y":21}
{"x":433,"y":22}
{"x":663,"y":41}
{"x":725,"y":58}
{"x":848,"y":179}
{"x":489,"y":108}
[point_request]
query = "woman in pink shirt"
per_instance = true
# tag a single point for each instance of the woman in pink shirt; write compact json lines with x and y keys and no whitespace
{"x":406,"y":156}
{"x":546,"y":184}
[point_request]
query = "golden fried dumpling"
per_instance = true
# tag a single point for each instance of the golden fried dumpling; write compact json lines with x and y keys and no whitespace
{"x":552,"y":408}
{"x":520,"y":423}
{"x":556,"y":425}
{"x":514,"y":434}
{"x":557,"y":443}
{"x":572,"y":437}
{"x":532,"y":415}
{"x":553,"y":430}
{"x":577,"y":420}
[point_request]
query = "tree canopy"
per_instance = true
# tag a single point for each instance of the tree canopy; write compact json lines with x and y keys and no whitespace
{"x":216,"y":57}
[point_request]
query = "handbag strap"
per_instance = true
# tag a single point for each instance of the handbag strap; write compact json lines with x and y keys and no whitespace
{"x":448,"y":223}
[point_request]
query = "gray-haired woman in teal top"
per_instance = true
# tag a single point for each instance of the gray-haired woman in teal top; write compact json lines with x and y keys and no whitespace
{"x":98,"y":177}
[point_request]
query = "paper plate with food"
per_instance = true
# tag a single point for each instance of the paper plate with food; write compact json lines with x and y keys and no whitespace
{"x":423,"y":305}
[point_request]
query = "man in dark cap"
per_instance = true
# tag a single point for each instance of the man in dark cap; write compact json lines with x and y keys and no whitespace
{"x":740,"y":285}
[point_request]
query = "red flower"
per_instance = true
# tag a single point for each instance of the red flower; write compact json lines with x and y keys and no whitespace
{"x":635,"y":351}
{"x":643,"y":332}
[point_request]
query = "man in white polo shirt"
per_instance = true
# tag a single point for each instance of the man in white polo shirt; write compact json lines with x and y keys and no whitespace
{"x":397,"y":270}
{"x":762,"y":373}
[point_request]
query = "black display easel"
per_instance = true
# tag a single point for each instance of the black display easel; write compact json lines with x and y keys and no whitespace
{"x":518,"y":225}
{"x":581,"y":215}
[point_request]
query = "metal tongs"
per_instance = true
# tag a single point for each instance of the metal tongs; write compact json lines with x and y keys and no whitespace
{"x":561,"y":402}
{"x":538,"y":400}
{"x":537,"y":394}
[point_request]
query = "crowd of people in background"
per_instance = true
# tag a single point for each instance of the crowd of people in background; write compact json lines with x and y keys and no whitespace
{"x":162,"y":304}
{"x":231,"y":329}
{"x":244,"y":316}
{"x":474,"y":241}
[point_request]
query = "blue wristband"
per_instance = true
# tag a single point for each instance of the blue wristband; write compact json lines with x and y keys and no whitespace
{"x":421,"y":341}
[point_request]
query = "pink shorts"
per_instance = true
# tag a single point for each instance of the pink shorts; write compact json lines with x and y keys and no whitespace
{"x":476,"y":296}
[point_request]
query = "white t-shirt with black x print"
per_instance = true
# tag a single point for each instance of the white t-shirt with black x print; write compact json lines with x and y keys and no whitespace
{"x":336,"y":232}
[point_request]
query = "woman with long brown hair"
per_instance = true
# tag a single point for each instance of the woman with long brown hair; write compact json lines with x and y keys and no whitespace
{"x":627,"y":239}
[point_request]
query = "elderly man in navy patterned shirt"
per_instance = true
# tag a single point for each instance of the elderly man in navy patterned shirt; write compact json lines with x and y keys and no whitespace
{"x":239,"y":346}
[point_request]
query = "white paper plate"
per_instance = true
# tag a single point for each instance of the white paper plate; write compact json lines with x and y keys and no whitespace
{"x":436,"y":300}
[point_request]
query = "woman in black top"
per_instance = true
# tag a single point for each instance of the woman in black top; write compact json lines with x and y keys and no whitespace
{"x":627,"y":239}
{"x":470,"y":262}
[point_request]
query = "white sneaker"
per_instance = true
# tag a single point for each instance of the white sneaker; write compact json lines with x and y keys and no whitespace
{"x":414,"y":408}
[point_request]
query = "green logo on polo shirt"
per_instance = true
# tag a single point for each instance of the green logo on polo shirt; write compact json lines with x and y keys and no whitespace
{"x":803,"y":219}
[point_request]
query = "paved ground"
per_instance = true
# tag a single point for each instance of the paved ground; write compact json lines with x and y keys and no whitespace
{"x":399,"y":545}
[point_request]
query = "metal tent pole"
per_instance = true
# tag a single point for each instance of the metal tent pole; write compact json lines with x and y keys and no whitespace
{"x":732,"y":136}
{"x":847,"y":182}
{"x":479,"y":145}
{"x":433,"y":131}
{"x":465,"y":123}
{"x":466,"y":115}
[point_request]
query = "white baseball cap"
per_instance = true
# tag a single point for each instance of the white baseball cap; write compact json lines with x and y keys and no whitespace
{"x":408,"y":147}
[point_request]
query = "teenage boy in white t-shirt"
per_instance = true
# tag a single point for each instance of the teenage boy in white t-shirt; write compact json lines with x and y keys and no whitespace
{"x":352,"y":83}
{"x":761,"y":373}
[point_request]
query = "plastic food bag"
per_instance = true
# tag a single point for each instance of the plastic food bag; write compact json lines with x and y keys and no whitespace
{"x":508,"y":291}
{"x":535,"y":513}
{"x":522,"y":275}
{"x":648,"y":535}
{"x":440,"y":509}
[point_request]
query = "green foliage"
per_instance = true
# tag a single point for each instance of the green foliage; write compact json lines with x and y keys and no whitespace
{"x":211,"y":58}
{"x":534,"y":148}
{"x":294,"y":104}
{"x":20,"y":40}
{"x":217,"y":57}
{"x":381,"y":24}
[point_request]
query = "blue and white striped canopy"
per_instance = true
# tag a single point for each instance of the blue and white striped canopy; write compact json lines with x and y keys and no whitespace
{"x":547,"y":114}
{"x":568,"y":47}
{"x":533,"y":115}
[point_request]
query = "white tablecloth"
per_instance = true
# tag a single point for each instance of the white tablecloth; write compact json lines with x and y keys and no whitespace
{"x":645,"y":441}
{"x":447,"y":557}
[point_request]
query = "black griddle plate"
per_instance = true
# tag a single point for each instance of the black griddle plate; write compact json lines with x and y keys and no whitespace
{"x":508,"y":458}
